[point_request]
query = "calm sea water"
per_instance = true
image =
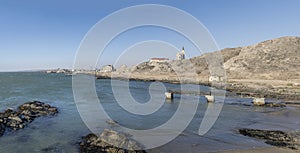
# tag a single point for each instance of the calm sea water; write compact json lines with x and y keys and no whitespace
{"x":62,"y":133}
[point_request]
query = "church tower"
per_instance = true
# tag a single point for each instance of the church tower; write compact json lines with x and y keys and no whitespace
{"x":181,"y":55}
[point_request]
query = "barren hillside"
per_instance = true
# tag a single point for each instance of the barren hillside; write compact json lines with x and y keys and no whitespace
{"x":272,"y":59}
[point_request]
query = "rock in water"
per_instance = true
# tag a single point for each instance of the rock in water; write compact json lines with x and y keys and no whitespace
{"x":266,"y":134}
{"x":36,"y":109}
{"x":112,"y":122}
{"x":2,"y":129}
{"x":26,"y":113}
{"x":109,"y":141}
{"x":259,"y":101}
{"x":273,"y":137}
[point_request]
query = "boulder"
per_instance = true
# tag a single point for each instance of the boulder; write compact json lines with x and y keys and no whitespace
{"x":266,"y":134}
{"x":274,"y":137}
{"x":109,"y":141}
{"x":262,"y":102}
{"x":36,"y":109}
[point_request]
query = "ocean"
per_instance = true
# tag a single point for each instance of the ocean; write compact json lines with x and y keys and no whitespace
{"x":63,"y":132}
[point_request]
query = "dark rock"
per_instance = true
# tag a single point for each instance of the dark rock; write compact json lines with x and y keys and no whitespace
{"x":11,"y":119}
{"x":266,"y":134}
{"x":273,"y":137}
{"x":36,"y":109}
{"x":2,"y":129}
{"x":112,"y":122}
{"x":15,"y":122}
{"x":103,"y":77}
{"x":109,"y":141}
{"x":7,"y":113}
{"x":26,"y":113}
{"x":275,"y":105}
{"x":282,"y":144}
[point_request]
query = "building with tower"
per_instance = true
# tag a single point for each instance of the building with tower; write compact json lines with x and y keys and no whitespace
{"x":180,"y":55}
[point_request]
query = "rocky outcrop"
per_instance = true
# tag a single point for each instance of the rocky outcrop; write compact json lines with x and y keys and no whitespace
{"x":34,"y":109}
{"x":109,"y":141}
{"x":26,"y":113}
{"x":271,"y":59}
{"x":273,"y":137}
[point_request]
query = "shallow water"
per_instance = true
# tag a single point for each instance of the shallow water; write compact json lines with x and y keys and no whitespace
{"x":62,"y":132}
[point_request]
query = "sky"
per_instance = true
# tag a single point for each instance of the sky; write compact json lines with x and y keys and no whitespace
{"x":46,"y":34}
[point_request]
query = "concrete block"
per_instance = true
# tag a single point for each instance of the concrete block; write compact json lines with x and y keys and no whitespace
{"x":259,"y":101}
{"x":210,"y":98}
{"x":169,"y":95}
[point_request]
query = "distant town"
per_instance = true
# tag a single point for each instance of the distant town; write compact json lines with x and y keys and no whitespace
{"x":111,"y":68}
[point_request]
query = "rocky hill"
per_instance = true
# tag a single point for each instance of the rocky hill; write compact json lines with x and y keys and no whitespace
{"x":273,"y":59}
{"x":268,"y":69}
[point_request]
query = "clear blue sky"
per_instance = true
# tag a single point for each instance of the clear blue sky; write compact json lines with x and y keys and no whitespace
{"x":39,"y":34}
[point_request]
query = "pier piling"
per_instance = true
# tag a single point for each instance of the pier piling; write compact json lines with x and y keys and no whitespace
{"x":210,"y":98}
{"x":258,"y":101}
{"x":169,"y":95}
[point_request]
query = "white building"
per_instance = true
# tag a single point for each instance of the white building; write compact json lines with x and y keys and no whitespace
{"x":180,"y":55}
{"x":216,"y":79}
{"x":107,"y":68}
{"x":159,"y":60}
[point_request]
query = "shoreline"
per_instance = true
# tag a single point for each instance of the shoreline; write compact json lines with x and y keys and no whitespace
{"x":241,"y":87}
